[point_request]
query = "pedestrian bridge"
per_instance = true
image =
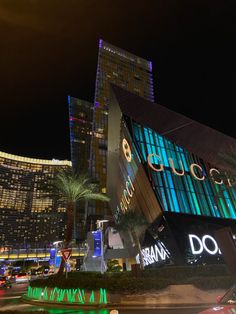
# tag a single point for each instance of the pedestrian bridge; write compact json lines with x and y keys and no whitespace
{"x":36,"y":253}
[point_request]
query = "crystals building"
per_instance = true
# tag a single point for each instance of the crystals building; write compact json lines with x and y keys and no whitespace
{"x":168,"y":167}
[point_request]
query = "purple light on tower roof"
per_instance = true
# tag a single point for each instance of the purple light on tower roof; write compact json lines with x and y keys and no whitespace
{"x":150,"y":65}
{"x":100,"y":43}
{"x":96,"y":104}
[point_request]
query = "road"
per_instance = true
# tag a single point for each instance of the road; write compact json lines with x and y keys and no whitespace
{"x":10,"y":300}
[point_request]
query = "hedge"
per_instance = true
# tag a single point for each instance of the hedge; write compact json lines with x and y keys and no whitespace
{"x":204,"y":277}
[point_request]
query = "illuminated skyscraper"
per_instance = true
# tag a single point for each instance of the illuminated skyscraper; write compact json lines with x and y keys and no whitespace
{"x":27,"y":216}
{"x":80,"y":116}
{"x":128,"y":71}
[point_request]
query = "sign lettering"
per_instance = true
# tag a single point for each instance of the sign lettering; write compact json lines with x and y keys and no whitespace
{"x":159,"y":166}
{"x":192,"y":169}
{"x":206,"y":243}
{"x":154,"y":254}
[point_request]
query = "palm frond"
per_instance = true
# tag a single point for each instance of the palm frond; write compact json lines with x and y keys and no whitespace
{"x":71,"y":187}
{"x":97,"y":197}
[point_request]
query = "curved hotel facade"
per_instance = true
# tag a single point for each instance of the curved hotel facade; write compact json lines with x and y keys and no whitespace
{"x":27,"y":217}
{"x":168,"y":167}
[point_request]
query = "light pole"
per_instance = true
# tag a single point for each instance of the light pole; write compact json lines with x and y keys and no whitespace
{"x":99,"y":224}
{"x":56,"y":247}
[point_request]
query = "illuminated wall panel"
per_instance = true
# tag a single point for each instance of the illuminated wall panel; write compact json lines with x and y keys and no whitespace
{"x":182,"y":194}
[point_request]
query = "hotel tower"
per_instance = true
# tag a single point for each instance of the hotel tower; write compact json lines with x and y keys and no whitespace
{"x":128,"y":71}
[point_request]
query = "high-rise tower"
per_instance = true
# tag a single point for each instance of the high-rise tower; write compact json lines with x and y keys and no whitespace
{"x":81,"y":117}
{"x":128,"y":71}
{"x":28,"y":215}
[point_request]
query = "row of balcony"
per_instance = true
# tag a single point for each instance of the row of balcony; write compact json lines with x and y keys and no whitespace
{"x":37,"y":253}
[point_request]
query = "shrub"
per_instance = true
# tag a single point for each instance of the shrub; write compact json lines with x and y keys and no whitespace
{"x":204,"y":277}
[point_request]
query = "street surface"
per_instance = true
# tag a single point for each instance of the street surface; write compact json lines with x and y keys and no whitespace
{"x":10,"y":300}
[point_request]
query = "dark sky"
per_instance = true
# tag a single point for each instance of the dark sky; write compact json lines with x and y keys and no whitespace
{"x":48,"y":49}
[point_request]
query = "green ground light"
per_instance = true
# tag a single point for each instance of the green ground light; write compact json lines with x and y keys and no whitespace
{"x":77,"y":296}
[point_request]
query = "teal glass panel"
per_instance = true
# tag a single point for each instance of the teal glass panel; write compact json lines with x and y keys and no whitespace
{"x":183,"y":193}
{"x":143,"y":152}
{"x":161,"y":141}
{"x":186,"y":207}
{"x":164,"y":157}
{"x":173,"y":193}
{"x":198,"y":188}
{"x":151,"y":138}
{"x":140,"y":134}
{"x":160,"y":180}
{"x":233,"y":192}
{"x":149,"y":149}
{"x":204,"y":205}
{"x":230,"y":205}
{"x":186,"y":167}
{"x":154,"y":149}
{"x":196,"y":204}
{"x":163,"y":197}
{"x":221,"y":202}
{"x":191,"y":188}
{"x":156,"y":139}
{"x":146,"y":135}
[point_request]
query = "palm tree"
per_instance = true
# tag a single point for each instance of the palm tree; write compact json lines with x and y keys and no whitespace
{"x":135,"y":224}
{"x":70,"y":188}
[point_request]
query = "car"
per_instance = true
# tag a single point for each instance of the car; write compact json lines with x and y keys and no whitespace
{"x":225,"y":304}
{"x":22,"y":277}
{"x":4,"y":282}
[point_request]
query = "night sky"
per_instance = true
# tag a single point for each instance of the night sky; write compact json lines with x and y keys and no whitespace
{"x":48,"y":49}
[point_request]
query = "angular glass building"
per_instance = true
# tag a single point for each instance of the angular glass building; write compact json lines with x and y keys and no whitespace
{"x":28,"y":218}
{"x":129,"y":72}
{"x":168,"y":167}
{"x":81,"y":119}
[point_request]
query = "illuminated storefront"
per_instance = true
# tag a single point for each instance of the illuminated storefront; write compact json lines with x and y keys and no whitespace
{"x":27,"y":217}
{"x":185,"y":197}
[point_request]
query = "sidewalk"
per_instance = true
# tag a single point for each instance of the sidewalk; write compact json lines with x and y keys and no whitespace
{"x":172,"y":295}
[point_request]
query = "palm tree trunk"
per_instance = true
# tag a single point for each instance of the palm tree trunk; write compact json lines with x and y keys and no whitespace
{"x":85,"y":213}
{"x":61,"y":269}
{"x":69,"y":225}
{"x":69,"y":233}
{"x":137,"y":243}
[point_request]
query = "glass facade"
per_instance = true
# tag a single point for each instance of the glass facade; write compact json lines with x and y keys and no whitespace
{"x":27,"y":217}
{"x":129,"y":72}
{"x":188,"y":201}
{"x":180,"y":187}
{"x":80,"y":117}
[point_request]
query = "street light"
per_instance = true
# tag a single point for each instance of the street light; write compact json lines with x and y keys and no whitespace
{"x":56,"y":247}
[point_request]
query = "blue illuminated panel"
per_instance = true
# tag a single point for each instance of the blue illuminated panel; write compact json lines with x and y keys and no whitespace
{"x":182,"y":194}
{"x":97,"y":237}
